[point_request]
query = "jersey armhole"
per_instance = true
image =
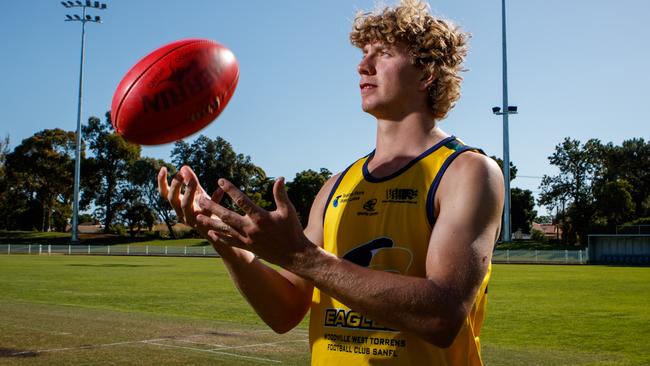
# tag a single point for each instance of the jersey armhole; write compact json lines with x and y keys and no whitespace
{"x":431,"y":216}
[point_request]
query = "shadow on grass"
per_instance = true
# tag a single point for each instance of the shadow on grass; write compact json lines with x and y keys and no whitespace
{"x":10,"y":352}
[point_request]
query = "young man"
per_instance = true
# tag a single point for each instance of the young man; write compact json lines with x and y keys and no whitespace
{"x":395,"y":260}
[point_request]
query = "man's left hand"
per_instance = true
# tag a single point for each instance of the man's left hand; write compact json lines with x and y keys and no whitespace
{"x":276,"y":236}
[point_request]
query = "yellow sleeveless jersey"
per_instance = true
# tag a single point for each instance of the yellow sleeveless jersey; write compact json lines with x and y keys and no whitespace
{"x":385,"y":224}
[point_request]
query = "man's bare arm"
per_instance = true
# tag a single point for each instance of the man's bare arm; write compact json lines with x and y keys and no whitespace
{"x":459,"y":253}
{"x":280,"y":298}
{"x":435,"y":307}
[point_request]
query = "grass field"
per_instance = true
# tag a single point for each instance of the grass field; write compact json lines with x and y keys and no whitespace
{"x":184,"y":311}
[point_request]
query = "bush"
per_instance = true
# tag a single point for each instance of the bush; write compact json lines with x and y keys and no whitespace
{"x":185,"y":234}
{"x":639,"y":221}
{"x":118,"y":230}
{"x":538,"y":235}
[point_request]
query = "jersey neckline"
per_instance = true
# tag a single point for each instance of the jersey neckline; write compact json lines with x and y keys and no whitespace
{"x":372,"y":179}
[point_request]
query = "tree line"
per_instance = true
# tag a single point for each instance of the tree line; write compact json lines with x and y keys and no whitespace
{"x":118,"y":183}
{"x":598,"y":187}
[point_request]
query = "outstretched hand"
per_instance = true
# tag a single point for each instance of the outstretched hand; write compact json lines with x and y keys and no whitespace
{"x":183,"y":195}
{"x":275,"y":236}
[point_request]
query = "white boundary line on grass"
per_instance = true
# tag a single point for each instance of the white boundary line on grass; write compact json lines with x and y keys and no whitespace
{"x":90,"y":346}
{"x":214,"y":351}
{"x":154,"y":341}
{"x":264,"y":344}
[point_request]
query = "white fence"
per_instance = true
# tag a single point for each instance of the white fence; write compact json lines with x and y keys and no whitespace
{"x":540,"y":256}
{"x":153,"y":250}
{"x":499,"y":256}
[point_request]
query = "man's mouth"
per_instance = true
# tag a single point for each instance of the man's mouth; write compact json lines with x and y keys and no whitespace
{"x":367,"y":86}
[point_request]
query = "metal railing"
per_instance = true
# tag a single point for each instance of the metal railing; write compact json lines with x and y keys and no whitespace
{"x":499,"y":256}
{"x":540,"y":256}
{"x":136,"y":250}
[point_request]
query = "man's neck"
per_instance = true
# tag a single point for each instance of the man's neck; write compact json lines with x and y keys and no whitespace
{"x":399,"y":142}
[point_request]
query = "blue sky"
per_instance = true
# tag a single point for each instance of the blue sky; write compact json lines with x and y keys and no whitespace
{"x":575,"y":68}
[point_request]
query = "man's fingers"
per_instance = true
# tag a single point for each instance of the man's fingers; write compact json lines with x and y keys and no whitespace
{"x":220,"y":228}
{"x":240,"y":199}
{"x":232,"y":219}
{"x":189,"y":175}
{"x":163,"y":186}
{"x":224,"y":240}
{"x":217,"y":195}
{"x":187,"y":202}
{"x":173,"y":196}
{"x":282,"y":201}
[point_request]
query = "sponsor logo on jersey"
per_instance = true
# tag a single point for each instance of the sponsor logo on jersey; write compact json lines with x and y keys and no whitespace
{"x":401,"y":195}
{"x":351,"y":319}
{"x":369,"y":208}
{"x":347,"y":197}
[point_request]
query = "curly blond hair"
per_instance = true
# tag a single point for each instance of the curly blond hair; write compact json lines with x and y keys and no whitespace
{"x":436,"y":46}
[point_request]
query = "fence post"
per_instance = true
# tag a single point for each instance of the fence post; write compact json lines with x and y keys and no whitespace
{"x":88,"y":248}
{"x":146,"y":250}
{"x":9,"y":249}
{"x":507,"y":255}
{"x":536,"y":255}
{"x":108,"y":249}
{"x":185,"y":250}
{"x":30,"y":249}
{"x":165,"y":250}
{"x":580,"y":256}
{"x":128,"y":249}
{"x":204,"y":251}
{"x":40,"y":249}
{"x":566,"y":256}
{"x":69,"y":249}
{"x":49,"y":249}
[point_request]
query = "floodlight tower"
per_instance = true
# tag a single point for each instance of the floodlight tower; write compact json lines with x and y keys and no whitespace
{"x":507,"y":110}
{"x":84,"y":18}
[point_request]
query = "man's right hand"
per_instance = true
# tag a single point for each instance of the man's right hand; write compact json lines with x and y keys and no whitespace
{"x":184,"y":194}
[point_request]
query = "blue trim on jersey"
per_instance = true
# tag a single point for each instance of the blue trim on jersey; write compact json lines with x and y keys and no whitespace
{"x":336,"y":185}
{"x":371,"y":179}
{"x":434,"y":186}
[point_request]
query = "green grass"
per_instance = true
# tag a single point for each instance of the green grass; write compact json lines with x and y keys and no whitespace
{"x":75,"y":301}
{"x":537,"y":315}
{"x":568,"y":315}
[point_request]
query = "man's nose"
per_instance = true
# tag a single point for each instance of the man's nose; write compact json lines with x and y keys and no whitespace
{"x":366,"y":67}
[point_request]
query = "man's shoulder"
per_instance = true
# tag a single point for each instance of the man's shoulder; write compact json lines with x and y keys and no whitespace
{"x":471,"y":171}
{"x":472,"y":163}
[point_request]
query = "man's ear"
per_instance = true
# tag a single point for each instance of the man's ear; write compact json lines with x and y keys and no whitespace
{"x":426,"y":81}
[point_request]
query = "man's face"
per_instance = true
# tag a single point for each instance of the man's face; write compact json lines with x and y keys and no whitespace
{"x":391,"y":86}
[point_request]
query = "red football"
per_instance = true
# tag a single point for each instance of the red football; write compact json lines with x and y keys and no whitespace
{"x":174,"y":91}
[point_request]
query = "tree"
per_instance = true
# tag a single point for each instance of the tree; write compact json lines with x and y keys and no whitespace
{"x":214,"y":159}
{"x":523,"y":209}
{"x":107,"y":171}
{"x":613,"y":202}
{"x":143,"y":176}
{"x":136,"y":216}
{"x":545,"y":219}
{"x":304,"y":188}
{"x":629,"y":162}
{"x":41,"y":169}
{"x":571,"y":190}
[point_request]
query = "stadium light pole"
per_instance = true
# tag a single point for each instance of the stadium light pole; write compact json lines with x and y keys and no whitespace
{"x":507,"y":110}
{"x":77,"y":166}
